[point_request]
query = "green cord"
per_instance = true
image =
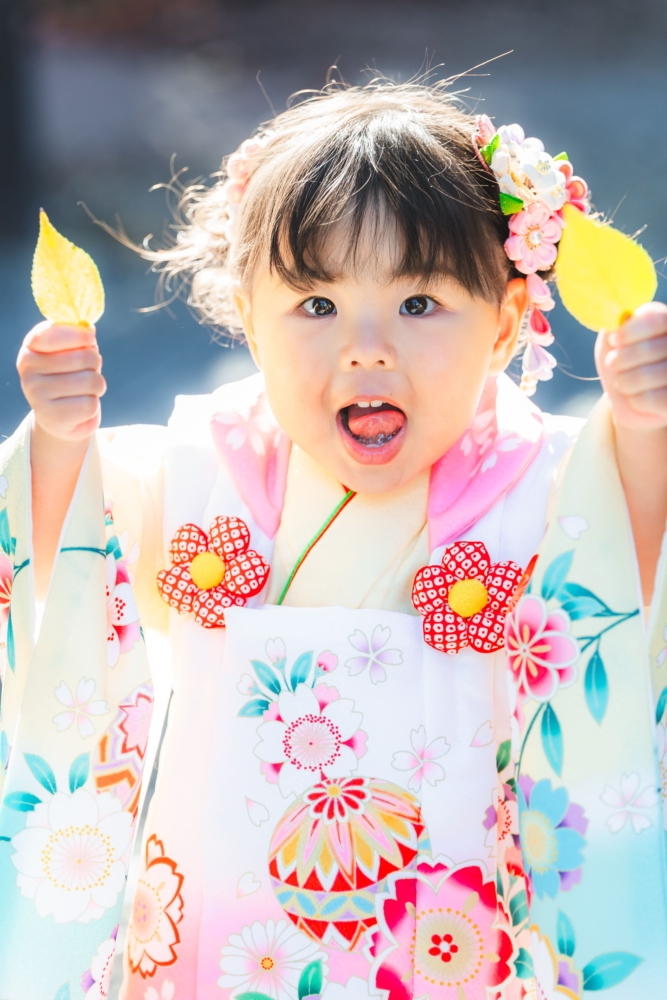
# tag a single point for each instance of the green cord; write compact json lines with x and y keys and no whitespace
{"x":332,"y":516}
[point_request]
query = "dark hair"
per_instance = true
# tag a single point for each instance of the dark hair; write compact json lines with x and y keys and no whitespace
{"x":352,"y":157}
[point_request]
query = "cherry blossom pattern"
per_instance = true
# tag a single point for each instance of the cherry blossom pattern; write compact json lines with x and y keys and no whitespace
{"x":443,"y":934}
{"x":268,"y":959}
{"x":552,"y":836}
{"x":309,"y":734}
{"x":6,"y":578}
{"x":72,"y":855}
{"x":96,"y":980}
{"x":79,"y":707}
{"x":631,"y":802}
{"x":255,"y":431}
{"x":541,"y":653}
{"x":373,"y":654}
{"x":123,"y":628}
{"x":555,"y":979}
{"x":152,"y":935}
{"x":464,"y":601}
{"x":502,"y":823}
{"x":661,"y":739}
{"x":167,"y":992}
{"x":422,"y":759}
{"x":212,"y":572}
{"x":662,"y":655}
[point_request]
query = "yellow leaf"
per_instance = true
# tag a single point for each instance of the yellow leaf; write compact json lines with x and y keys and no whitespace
{"x":65,"y":281}
{"x":602,"y":275}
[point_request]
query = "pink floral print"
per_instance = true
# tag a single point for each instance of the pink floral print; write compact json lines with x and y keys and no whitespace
{"x":442,"y":935}
{"x":541,"y":652}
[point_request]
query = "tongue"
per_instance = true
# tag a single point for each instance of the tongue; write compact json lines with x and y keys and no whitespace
{"x":377,"y":424}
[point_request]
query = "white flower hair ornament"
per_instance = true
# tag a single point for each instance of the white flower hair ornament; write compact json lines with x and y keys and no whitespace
{"x":534,"y":188}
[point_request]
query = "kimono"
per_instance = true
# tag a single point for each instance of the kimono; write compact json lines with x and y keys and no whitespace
{"x":424,"y":765}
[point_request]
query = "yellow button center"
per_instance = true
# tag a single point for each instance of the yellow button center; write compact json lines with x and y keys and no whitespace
{"x":207,"y":570}
{"x":468,"y":597}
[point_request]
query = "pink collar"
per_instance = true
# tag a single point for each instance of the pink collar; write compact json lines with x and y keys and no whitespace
{"x":501,"y":442}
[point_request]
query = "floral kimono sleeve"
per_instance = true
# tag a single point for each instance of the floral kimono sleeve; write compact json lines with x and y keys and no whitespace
{"x":133,"y":475}
{"x":588,"y":677}
{"x":76,"y":705}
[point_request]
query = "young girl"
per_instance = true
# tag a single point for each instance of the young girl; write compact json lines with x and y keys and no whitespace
{"x":395,"y":765}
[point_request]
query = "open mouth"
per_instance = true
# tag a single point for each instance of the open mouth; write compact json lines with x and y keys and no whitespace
{"x":372,"y":430}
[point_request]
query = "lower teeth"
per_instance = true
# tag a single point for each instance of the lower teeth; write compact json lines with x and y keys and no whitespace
{"x":375,"y":441}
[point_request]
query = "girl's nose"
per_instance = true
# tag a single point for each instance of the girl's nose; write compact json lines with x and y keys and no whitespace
{"x":368,"y":347}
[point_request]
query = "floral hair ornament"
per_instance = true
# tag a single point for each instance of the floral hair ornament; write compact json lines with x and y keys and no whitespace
{"x":239,"y":170}
{"x":534,"y":188}
{"x":602,"y":275}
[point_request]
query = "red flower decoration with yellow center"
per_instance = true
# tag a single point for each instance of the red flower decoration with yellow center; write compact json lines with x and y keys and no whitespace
{"x":212,"y":572}
{"x":464,"y":601}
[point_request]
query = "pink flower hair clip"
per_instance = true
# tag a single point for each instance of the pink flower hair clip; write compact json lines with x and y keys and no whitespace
{"x":534,"y":186}
{"x":239,"y":170}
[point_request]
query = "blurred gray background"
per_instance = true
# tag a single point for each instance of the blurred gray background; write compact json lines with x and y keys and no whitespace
{"x":97,"y":95}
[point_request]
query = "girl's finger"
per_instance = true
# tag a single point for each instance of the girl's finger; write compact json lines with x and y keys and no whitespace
{"x":49,"y":338}
{"x":648,"y":321}
{"x":645,"y":378}
{"x":653,"y":403}
{"x":642,"y":352}
{"x":54,"y":387}
{"x":61,"y":361}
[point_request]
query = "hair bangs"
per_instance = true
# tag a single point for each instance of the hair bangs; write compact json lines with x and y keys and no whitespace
{"x":389,"y":179}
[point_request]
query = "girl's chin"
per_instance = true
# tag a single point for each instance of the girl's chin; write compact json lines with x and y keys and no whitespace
{"x":370,"y":454}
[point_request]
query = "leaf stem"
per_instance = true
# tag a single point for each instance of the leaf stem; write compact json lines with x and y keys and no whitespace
{"x":527,"y":734}
{"x":589,"y":639}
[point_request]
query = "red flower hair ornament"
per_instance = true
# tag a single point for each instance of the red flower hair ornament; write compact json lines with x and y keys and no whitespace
{"x":465,"y":600}
{"x":212,"y":572}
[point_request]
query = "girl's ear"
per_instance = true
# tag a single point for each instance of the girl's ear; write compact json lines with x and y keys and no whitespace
{"x":510,"y":317}
{"x":243,"y":308}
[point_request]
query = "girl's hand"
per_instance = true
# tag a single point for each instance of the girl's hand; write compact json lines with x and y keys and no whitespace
{"x":61,"y":376}
{"x":632,"y":363}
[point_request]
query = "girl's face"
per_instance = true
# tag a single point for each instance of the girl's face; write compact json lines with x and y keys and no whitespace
{"x":377,"y":379}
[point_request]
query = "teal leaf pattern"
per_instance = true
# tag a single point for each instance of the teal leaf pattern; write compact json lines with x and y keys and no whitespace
{"x":662,"y":704}
{"x":253,"y":709}
{"x":21,"y":801}
{"x":519,"y":907}
{"x":566,"y":936}
{"x":266,"y":676}
{"x":609,"y":970}
{"x":301,"y":669}
{"x":503,"y":755}
{"x":78,"y":772}
{"x":310,"y":981}
{"x":11,"y":645}
{"x":555,"y":573}
{"x":596,"y":688}
{"x":524,"y":964}
{"x":5,"y":537}
{"x":42,"y":772}
{"x":552,"y":739}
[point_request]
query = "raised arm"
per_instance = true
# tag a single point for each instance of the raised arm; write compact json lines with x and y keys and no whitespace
{"x":61,"y":376}
{"x":632,"y":363}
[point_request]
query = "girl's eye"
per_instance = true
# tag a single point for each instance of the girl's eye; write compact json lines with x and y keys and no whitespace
{"x":318,"y":306}
{"x":418,"y":305}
